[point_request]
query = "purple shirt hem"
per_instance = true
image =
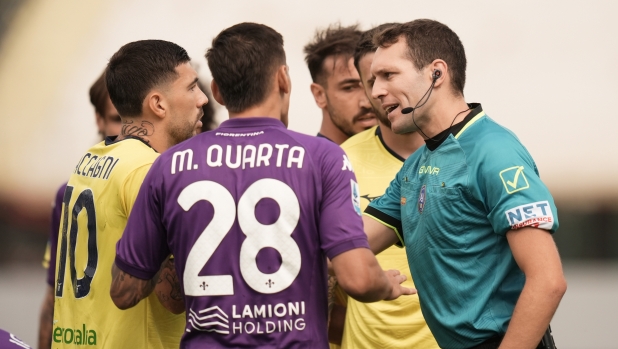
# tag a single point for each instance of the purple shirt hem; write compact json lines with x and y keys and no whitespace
{"x":346,"y":246}
{"x":137,"y":272}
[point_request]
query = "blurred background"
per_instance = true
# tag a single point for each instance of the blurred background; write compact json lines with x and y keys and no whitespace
{"x":546,"y":70}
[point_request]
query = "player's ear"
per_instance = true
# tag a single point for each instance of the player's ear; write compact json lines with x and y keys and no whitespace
{"x":216,"y":94}
{"x":319,"y":94}
{"x":283,"y":80}
{"x":155,"y":103}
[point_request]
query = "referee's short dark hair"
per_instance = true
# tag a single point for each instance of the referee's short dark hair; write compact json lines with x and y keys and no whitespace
{"x":366,"y":45}
{"x":427,"y":41}
{"x":332,"y":41}
{"x":137,"y":68}
{"x":242,"y":60}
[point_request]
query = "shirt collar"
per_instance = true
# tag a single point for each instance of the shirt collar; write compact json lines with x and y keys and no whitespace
{"x":434,"y":142}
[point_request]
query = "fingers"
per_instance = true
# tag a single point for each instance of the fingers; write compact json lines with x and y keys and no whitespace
{"x":397,"y":279}
{"x":407,"y":290}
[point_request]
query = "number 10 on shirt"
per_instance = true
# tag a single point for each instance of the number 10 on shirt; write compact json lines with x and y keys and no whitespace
{"x":258,"y":236}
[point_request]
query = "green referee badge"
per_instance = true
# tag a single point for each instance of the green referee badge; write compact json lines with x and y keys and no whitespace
{"x":514,"y":179}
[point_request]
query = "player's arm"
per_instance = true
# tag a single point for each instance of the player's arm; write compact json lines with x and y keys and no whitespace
{"x":46,"y":319}
{"x":127,"y":290}
{"x":379,"y":235}
{"x":361,"y":277}
{"x":167,"y":288}
{"x":536,"y":254}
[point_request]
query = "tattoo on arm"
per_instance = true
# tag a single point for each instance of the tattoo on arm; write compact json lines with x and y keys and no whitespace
{"x":168,"y":288}
{"x":332,"y":283}
{"x":129,"y":128}
{"x":129,"y":290}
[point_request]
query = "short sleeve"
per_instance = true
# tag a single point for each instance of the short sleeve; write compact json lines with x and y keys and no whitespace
{"x":387,"y":208}
{"x":143,"y":245}
{"x":340,"y":223}
{"x":513,"y":191}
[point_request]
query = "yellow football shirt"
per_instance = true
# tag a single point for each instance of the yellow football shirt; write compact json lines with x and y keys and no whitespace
{"x":96,"y":206}
{"x":385,"y":324}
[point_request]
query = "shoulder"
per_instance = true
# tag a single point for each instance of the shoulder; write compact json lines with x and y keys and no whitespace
{"x":359,"y":140}
{"x":488,"y":139}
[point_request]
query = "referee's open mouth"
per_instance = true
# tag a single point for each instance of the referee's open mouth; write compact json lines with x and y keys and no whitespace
{"x":390,"y":108}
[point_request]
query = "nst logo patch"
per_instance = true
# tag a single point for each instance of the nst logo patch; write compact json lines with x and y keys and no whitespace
{"x":536,"y":214}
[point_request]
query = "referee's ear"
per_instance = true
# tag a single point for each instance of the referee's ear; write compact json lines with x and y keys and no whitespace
{"x":216,"y":94}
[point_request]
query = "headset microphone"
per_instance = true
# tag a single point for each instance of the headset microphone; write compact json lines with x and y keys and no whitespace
{"x":435,"y":76}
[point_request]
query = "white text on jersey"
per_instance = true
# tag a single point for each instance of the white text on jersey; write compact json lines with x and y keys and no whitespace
{"x":242,"y":156}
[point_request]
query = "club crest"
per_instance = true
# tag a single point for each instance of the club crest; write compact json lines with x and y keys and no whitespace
{"x":421,"y":199}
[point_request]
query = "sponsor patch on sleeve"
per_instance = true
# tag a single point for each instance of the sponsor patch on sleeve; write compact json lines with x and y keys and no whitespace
{"x":355,"y":196}
{"x":536,"y":214}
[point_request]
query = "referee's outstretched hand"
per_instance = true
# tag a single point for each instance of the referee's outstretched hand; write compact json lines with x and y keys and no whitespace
{"x":396,"y":279}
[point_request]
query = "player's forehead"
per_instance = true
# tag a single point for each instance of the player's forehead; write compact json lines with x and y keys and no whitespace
{"x":391,"y":58}
{"x":340,"y":69}
{"x":364,"y":65}
{"x":185,"y":72}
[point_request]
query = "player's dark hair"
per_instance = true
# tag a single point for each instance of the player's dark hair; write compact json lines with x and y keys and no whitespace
{"x":365,"y":43}
{"x":99,"y":95}
{"x":427,"y":41}
{"x":242,"y":60}
{"x":137,"y":68}
{"x":334,"y":41}
{"x":208,"y":120}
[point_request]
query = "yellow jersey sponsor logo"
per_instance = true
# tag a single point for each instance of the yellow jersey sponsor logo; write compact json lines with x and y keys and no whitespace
{"x":78,"y":336}
{"x":514,"y":179}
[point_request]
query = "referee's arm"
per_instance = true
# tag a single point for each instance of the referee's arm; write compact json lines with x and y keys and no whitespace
{"x":536,"y":254}
{"x":380,"y":236}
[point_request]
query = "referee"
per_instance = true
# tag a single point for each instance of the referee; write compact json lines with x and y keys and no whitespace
{"x":475,"y":218}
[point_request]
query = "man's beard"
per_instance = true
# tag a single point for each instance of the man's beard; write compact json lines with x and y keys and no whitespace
{"x":343,"y":125}
{"x":381,"y":115}
{"x":182,"y":132}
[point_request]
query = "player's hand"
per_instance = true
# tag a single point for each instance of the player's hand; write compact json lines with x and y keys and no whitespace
{"x":396,"y":279}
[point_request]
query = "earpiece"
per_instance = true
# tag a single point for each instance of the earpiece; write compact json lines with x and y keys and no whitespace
{"x":436,"y":74}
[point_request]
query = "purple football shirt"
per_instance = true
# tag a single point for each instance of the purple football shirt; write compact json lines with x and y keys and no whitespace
{"x":53,"y":234}
{"x":250,"y":212}
{"x":9,"y":341}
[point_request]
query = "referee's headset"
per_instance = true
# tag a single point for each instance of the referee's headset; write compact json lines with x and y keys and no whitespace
{"x":435,"y":76}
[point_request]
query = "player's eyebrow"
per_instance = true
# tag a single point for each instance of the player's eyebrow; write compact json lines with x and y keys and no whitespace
{"x":193,"y":82}
{"x":349,"y":81}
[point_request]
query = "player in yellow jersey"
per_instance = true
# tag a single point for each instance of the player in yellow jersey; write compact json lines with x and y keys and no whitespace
{"x":108,"y":124}
{"x":154,"y":88}
{"x":376,"y":156}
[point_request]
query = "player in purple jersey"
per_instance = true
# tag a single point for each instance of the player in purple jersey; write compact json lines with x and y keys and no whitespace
{"x":108,"y":124}
{"x":250,"y":212}
{"x":9,"y":341}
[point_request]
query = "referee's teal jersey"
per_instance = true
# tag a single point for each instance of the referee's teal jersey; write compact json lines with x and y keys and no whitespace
{"x":451,"y":204}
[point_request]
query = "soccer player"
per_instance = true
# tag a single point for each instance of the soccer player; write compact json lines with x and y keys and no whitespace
{"x":154,"y":88}
{"x":376,"y":156}
{"x":336,"y":86}
{"x":250,"y":211}
{"x":108,"y":124}
{"x":469,"y":205}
